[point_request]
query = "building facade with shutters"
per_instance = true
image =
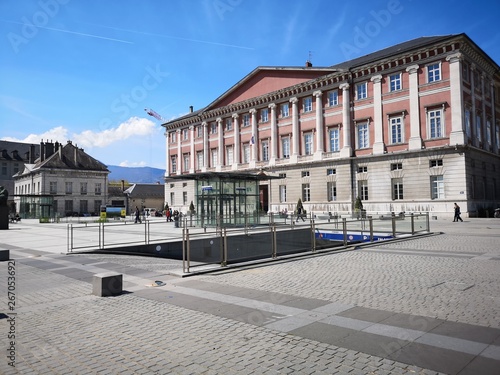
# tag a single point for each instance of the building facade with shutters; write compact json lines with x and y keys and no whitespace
{"x":411,"y":128}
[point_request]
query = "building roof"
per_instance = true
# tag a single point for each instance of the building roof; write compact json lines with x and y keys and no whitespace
{"x":17,"y":151}
{"x":400,"y":48}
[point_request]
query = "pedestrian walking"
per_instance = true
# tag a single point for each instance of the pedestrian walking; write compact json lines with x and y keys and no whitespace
{"x":457,"y":213}
{"x":137,"y":215}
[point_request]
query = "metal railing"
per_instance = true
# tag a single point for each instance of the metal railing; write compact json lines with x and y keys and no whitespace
{"x":277,"y":236}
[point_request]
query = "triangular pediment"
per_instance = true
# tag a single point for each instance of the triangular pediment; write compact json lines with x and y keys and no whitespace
{"x":264,"y":80}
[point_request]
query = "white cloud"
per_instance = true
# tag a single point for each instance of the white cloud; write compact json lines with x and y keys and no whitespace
{"x":126,"y":163}
{"x":133,"y":127}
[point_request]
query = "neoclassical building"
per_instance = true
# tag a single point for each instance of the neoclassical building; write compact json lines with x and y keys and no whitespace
{"x":414,"y":127}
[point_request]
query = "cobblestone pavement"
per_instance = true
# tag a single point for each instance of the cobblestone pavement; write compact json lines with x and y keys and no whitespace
{"x":427,"y":305}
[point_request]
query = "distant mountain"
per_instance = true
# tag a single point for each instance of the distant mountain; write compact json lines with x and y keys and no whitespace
{"x":142,"y":175}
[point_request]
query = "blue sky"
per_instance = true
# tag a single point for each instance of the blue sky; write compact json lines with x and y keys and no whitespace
{"x":84,"y":70}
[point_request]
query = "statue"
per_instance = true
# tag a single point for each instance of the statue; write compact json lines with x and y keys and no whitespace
{"x":4,"y":195}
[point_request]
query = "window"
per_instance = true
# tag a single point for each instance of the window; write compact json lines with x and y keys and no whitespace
{"x":214,"y":157}
{"x":465,"y":71}
{"x":16,"y":168}
{"x":362,"y":132}
{"x":69,"y":188}
{"x":397,"y":188}
{"x":331,"y":191}
{"x":362,"y":169}
{"x":306,"y":193}
{"x":435,"y":163}
{"x":229,"y":124}
{"x":437,"y":187}
{"x":478,"y":128}
{"x":229,"y":155}
{"x":285,"y":110}
{"x":434,"y":72}
{"x":361,"y":91}
{"x":173,"y":137}
{"x":53,"y":187}
{"x":282,"y":190}
{"x":282,"y":175}
{"x":68,"y":207}
{"x":305,"y":174}
{"x":199,"y":131}
{"x":396,"y":166}
{"x":396,"y":130}
{"x":172,"y":198}
{"x":98,"y":188}
{"x":285,"y":147}
{"x":213,"y":128}
{"x":184,"y":198}
{"x":488,"y":132}
{"x":334,"y":139}
{"x":363,"y":190}
{"x":4,"y":169}
{"x":467,"y":123}
{"x":173,"y":160}
{"x":330,"y":171}
{"x":395,"y":82}
{"x":308,"y":143}
{"x":308,"y":104}
{"x":97,"y":205}
{"x":246,"y":153}
{"x":246,"y":119}
{"x":333,"y":98}
{"x":265,"y":150}
{"x":83,"y":188}
{"x":185,"y":159}
{"x":435,"y":123}
{"x":84,"y":206}
{"x":264,"y":115}
{"x":199,"y":160}
{"x":185,"y":134}
{"x":184,"y":184}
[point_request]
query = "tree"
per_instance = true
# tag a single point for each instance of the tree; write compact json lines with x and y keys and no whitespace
{"x":358,"y":205}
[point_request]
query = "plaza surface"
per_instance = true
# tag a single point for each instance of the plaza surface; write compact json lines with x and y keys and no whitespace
{"x":424,"y":305}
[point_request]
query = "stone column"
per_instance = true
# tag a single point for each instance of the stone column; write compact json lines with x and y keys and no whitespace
{"x":274,"y":134}
{"x":255,"y":138}
{"x":415,"y":142}
{"x":346,"y":150}
{"x":205,"y":146}
{"x":236,"y":151}
{"x":378,"y":124}
{"x":320,"y":134}
{"x":457,"y":135}
{"x":179,"y":151}
{"x":167,"y":148}
{"x":192,"y":156}
{"x":220,"y":136}
{"x":493,"y":117}
{"x":295,"y":130}
{"x":473,"y":121}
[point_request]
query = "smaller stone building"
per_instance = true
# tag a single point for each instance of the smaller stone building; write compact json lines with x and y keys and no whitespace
{"x":145,"y":196}
{"x":63,"y":181}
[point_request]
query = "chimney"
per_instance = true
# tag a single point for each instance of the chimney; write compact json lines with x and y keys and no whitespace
{"x":190,"y":109}
{"x":123,"y":185}
{"x":32,"y":154}
{"x":49,"y":149}
{"x":42,"y":151}
{"x":309,"y":64}
{"x":56,"y":145}
{"x":76,"y":155}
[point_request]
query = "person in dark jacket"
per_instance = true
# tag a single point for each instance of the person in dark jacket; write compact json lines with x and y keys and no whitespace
{"x":137,"y":215}
{"x":457,"y":213}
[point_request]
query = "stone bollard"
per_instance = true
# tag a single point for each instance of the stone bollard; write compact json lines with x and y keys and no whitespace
{"x":107,"y":284}
{"x":4,"y":255}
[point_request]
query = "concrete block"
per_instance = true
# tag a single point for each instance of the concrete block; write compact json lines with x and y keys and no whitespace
{"x":4,"y":255}
{"x":107,"y":284}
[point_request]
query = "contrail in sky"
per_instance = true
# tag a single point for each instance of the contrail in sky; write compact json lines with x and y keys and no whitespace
{"x":174,"y":37}
{"x":74,"y":32}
